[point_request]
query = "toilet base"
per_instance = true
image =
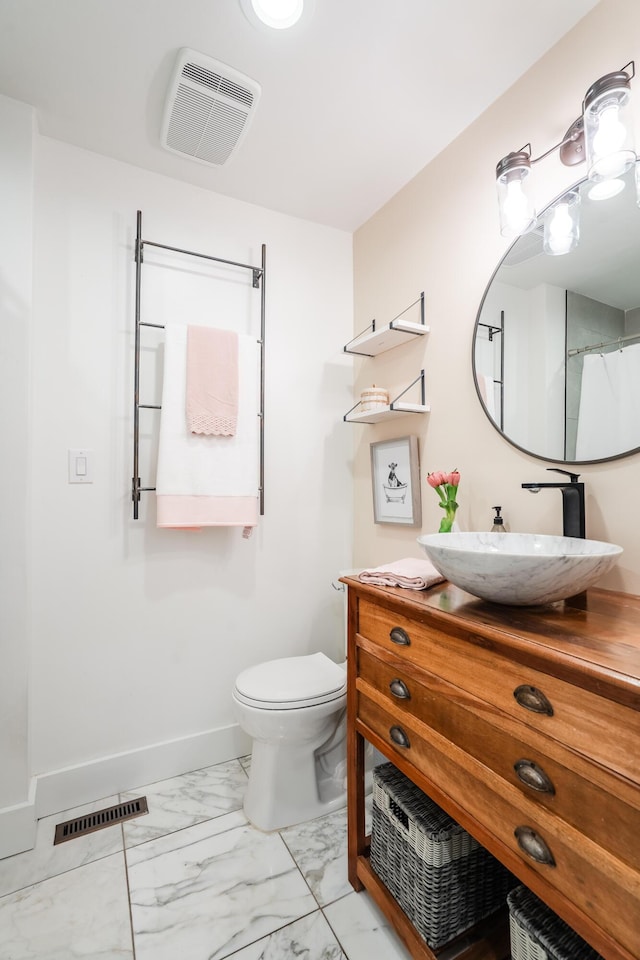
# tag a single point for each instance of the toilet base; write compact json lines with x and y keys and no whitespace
{"x":284,"y":787}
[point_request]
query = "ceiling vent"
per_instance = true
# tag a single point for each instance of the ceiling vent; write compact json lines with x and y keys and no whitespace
{"x":526,"y":247}
{"x":208,"y":110}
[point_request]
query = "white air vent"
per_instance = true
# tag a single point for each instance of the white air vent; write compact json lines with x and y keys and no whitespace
{"x":208,"y":109}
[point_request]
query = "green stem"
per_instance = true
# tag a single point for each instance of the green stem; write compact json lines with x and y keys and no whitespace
{"x":447,"y":522}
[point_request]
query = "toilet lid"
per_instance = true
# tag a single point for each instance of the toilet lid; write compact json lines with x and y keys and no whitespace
{"x":313,"y":678}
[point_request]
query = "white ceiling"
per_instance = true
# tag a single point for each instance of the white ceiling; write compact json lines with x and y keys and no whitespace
{"x":354,"y":102}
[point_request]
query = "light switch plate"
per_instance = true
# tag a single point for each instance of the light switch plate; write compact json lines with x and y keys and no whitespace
{"x":81,"y":466}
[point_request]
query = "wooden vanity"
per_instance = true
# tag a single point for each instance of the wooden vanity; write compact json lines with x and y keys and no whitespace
{"x":524,"y":725}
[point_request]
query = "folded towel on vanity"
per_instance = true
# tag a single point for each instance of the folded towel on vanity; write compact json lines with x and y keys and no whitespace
{"x":207,"y":481}
{"x":212,"y":381}
{"x":411,"y":573}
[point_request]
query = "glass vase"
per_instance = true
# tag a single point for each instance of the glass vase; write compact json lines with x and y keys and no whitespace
{"x":448,"y":522}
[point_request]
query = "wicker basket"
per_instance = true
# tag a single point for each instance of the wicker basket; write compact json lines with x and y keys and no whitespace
{"x":537,"y":933}
{"x":442,"y":878}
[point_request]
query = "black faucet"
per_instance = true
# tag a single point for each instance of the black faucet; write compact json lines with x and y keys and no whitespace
{"x":573,"y":512}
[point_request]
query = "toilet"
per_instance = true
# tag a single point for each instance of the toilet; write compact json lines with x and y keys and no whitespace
{"x":295,"y":711}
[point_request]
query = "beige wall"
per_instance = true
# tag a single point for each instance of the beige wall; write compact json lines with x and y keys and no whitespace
{"x":440,"y":234}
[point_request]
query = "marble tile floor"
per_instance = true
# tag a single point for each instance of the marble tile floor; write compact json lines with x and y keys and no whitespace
{"x":191,"y":880}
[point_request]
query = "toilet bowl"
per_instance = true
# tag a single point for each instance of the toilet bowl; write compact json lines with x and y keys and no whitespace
{"x":295,"y":711}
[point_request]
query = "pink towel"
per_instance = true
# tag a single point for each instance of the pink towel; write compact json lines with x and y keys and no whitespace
{"x":207,"y":481}
{"x":411,"y":573}
{"x":212,"y":381}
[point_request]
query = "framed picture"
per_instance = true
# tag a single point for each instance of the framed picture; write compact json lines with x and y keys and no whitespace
{"x":395,"y":476}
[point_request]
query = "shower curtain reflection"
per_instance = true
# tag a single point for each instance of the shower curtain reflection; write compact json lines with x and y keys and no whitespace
{"x":609,"y":415}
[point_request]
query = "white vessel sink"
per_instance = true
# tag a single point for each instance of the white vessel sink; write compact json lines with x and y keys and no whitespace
{"x":519,"y":568}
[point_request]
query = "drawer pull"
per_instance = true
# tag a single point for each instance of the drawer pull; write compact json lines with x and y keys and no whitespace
{"x":400,"y":636}
{"x":398,"y":736}
{"x":399,"y":689}
{"x":533,"y":699}
{"x":534,"y":846}
{"x":533,"y":776}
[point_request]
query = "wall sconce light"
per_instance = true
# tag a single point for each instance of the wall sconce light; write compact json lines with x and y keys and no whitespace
{"x":607,"y":126}
{"x":602,"y":135}
{"x":513,"y":176}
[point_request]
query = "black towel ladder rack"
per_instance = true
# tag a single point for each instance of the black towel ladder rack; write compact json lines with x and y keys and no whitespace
{"x":258,"y":282}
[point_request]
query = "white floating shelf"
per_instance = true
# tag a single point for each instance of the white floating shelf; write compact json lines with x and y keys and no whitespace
{"x":399,"y":410}
{"x":389,"y":336}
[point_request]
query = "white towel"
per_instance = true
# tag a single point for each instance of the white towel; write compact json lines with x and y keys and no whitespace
{"x":411,"y":573}
{"x":207,"y":481}
{"x":487,"y":387}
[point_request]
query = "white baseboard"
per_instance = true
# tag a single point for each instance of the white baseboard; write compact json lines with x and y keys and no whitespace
{"x":87,"y":782}
{"x":18,"y":825}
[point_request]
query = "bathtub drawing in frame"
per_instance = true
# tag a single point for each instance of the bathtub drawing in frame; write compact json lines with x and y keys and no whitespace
{"x":395,"y":478}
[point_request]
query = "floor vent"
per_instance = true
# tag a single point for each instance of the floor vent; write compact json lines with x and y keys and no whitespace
{"x":71,"y":829}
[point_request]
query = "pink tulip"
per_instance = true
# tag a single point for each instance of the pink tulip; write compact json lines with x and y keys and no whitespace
{"x":436,"y":479}
{"x":450,"y":482}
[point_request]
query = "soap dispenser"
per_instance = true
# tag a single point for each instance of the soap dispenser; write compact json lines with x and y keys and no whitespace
{"x":499,"y":526}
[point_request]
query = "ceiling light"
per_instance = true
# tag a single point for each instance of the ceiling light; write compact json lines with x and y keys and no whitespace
{"x":278,"y":14}
{"x":602,"y":136}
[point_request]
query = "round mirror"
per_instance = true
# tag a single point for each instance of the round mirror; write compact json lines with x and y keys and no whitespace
{"x":556,"y":346}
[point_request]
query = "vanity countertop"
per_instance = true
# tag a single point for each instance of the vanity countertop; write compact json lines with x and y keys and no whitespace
{"x":592,"y":639}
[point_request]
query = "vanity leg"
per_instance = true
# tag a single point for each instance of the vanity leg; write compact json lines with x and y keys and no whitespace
{"x":356,"y":840}
{"x":355,"y":807}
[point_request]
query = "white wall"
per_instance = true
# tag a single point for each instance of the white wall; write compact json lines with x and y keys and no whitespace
{"x":138,"y":634}
{"x":545,"y":366}
{"x":16,"y":189}
{"x":441,"y":234}
{"x":533,"y":321}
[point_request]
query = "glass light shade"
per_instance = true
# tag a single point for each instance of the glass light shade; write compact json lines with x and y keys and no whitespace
{"x":562,"y":225}
{"x":517,"y":214}
{"x":608,"y":128}
{"x":605,"y":189}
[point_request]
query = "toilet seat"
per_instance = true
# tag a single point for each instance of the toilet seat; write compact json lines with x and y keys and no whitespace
{"x":291,"y":682}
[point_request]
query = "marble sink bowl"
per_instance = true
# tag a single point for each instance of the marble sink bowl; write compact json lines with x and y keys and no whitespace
{"x":521,"y":569}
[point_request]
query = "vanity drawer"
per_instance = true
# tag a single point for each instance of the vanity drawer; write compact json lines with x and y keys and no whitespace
{"x":603,"y":888}
{"x":586,"y":796}
{"x":594,"y":726}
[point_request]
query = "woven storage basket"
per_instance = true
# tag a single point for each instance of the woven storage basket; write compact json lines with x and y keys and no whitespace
{"x":537,"y":933}
{"x":442,"y":878}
